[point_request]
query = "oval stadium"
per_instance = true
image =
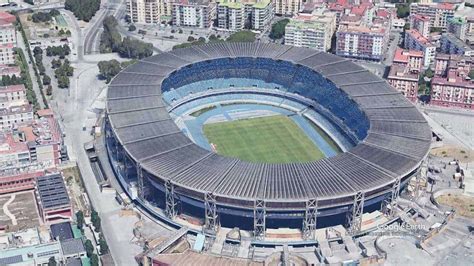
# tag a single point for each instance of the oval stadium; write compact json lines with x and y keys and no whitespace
{"x":260,"y":136}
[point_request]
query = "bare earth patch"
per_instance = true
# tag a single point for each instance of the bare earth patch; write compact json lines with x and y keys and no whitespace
{"x":464,"y":205}
{"x":463,"y":155}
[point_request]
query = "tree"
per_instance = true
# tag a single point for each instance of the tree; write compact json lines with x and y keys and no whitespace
{"x":180,"y":31}
{"x":55,"y":63}
{"x":110,"y":39}
{"x":403,"y":10}
{"x":95,"y":219}
{"x":89,"y":248}
{"x":80,"y":219}
{"x":44,"y":16}
{"x":37,"y":50}
{"x":46,"y":80}
{"x":424,"y":86}
{"x":429,"y":73}
{"x":132,"y":27}
{"x":60,"y":51}
{"x":109,"y":69}
{"x":471,"y":74}
{"x":41,"y":69}
{"x":49,"y":90}
{"x":52,"y":261}
{"x":63,"y":82}
{"x":191,"y":39}
{"x":83,"y":9}
{"x":104,"y":248}
{"x":278,"y":29}
{"x":94,"y":260}
{"x":132,"y":48}
{"x":407,"y":26}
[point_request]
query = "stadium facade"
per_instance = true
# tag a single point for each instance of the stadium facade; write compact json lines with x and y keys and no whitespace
{"x":386,"y":138}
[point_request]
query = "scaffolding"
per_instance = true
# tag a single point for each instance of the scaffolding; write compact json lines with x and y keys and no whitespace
{"x":394,"y":198}
{"x":170,"y":200}
{"x":355,"y":215}
{"x":212,"y":219}
{"x":310,"y":219}
{"x":259,"y":215}
{"x":141,"y":191}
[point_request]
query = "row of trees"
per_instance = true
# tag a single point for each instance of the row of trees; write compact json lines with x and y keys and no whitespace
{"x":96,"y":223}
{"x":63,"y":71}
{"x":38,"y":55}
{"x":83,"y":9}
{"x":13,"y":80}
{"x":46,"y":80}
{"x":61,"y":51}
{"x":25,"y":77}
{"x":25,"y":70}
{"x":111,"y":41}
{"x":44,"y":16}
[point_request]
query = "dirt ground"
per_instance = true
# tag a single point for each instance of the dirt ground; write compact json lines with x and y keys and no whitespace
{"x":43,"y":27}
{"x":463,"y":155}
{"x":464,"y":205}
{"x":22,"y":208}
{"x":76,"y":188}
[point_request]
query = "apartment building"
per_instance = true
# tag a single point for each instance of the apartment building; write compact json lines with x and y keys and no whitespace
{"x":231,"y":16}
{"x":450,"y":44}
{"x":287,"y":7}
{"x":415,"y":41}
{"x":410,"y":58}
{"x":454,"y":89}
{"x":404,"y":80}
{"x":262,"y":14}
{"x":144,"y":11}
{"x":236,"y":15}
{"x":361,"y":42}
{"x":193,"y":13}
{"x":445,"y":62}
{"x":439,"y":13}
{"x":14,"y":107}
{"x":311,"y":30}
{"x":421,"y":24}
{"x":458,"y":27}
{"x":7,"y":38}
{"x":37,"y":144}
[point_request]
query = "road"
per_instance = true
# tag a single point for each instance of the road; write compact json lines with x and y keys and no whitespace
{"x":92,"y":36}
{"x":74,"y":107}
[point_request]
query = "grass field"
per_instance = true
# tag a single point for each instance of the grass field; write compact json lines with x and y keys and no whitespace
{"x":274,"y":139}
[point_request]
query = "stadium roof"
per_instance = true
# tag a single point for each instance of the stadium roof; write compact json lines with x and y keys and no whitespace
{"x":397,"y":141}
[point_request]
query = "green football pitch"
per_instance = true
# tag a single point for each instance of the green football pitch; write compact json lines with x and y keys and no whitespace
{"x":273,"y":139}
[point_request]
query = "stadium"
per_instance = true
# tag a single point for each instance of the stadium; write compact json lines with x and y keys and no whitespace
{"x":347,"y":142}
